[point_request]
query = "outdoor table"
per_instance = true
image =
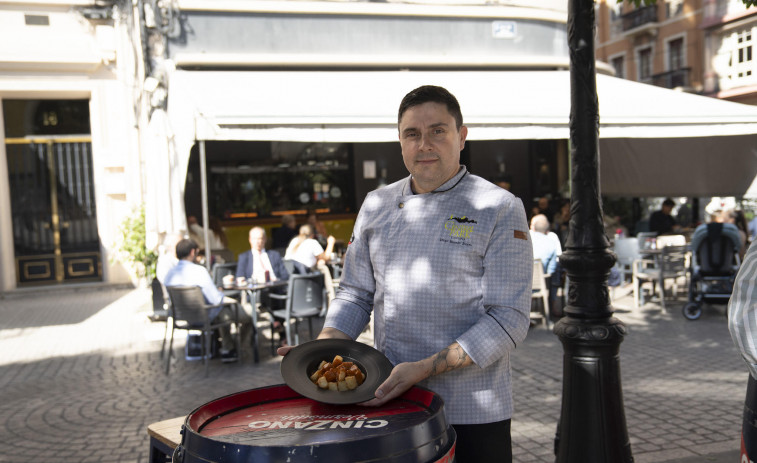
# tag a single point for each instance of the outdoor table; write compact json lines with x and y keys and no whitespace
{"x":249,"y":294}
{"x":653,"y":254}
{"x":650,"y":254}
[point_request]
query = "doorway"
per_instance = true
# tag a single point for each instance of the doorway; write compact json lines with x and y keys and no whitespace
{"x":50,"y":175}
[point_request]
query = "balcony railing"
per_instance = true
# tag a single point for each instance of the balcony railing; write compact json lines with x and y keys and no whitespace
{"x":639,"y":17}
{"x":672,"y":79}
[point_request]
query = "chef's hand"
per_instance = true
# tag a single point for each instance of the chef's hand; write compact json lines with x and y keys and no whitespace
{"x":283,"y":350}
{"x":403,"y":377}
{"x":406,"y":375}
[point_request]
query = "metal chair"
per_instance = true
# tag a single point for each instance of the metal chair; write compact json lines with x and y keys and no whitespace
{"x":670,"y":264}
{"x":627,"y":251}
{"x":297,"y":268}
{"x":221,"y":270}
{"x":159,"y":301}
{"x":305,"y":298}
{"x":226,"y":255}
{"x":189,"y":311}
{"x":540,"y":291}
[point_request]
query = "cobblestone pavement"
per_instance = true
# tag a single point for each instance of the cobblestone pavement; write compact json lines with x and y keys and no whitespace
{"x":81,"y":378}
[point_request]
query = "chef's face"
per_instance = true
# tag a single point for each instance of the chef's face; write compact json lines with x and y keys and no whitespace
{"x":431,"y":145}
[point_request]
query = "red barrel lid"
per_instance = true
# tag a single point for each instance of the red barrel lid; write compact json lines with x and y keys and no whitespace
{"x":276,"y":422}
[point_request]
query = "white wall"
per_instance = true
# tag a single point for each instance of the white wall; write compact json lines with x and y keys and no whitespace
{"x":73,"y":57}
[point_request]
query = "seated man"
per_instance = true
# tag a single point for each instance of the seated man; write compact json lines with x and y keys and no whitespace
{"x":254,"y":263}
{"x":260,"y":265}
{"x":187,"y":273}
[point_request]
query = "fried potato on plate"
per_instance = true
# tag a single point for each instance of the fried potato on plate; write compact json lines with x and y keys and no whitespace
{"x":337,"y":375}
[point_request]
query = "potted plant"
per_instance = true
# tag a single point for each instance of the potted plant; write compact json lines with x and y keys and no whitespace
{"x":131,"y":248}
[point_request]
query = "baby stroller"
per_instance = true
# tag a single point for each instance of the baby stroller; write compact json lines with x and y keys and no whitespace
{"x":713,"y":267}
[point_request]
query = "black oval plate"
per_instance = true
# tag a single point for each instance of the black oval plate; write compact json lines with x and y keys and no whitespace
{"x":303,"y":360}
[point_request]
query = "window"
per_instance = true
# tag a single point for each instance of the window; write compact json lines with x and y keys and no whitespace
{"x":645,"y":64}
{"x":675,"y":54}
{"x":673,"y":8}
{"x":677,"y":74}
{"x":616,"y":19}
{"x":741,"y":64}
{"x":620,"y":66}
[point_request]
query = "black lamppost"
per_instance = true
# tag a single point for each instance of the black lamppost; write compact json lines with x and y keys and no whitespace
{"x":592,"y":424}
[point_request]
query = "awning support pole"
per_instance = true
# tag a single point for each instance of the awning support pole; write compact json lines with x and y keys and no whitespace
{"x":592,"y":427}
{"x":204,"y":190}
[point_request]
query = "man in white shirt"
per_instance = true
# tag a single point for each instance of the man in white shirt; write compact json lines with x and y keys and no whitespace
{"x":187,"y":273}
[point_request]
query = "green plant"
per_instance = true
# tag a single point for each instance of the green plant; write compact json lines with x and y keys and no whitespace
{"x":132,"y":248}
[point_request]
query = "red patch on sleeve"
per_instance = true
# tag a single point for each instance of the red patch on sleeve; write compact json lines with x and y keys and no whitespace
{"x":521,"y":235}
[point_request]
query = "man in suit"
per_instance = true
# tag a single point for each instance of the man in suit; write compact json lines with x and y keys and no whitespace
{"x":256,"y":261}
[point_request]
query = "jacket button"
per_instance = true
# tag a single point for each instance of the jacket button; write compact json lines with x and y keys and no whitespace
{"x":401,"y":205}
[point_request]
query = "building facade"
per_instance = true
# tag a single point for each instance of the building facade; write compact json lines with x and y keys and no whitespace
{"x":70,"y":167}
{"x":84,"y":87}
{"x":657,"y":44}
{"x":245,"y":110}
{"x":730,"y":71}
{"x":700,"y":46}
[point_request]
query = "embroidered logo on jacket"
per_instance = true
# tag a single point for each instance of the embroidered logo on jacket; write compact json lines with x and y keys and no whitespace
{"x":458,"y":229}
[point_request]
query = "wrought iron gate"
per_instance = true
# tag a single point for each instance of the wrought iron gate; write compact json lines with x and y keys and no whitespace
{"x":53,"y":208}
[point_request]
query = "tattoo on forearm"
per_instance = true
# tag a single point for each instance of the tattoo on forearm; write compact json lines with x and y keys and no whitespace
{"x":448,"y":359}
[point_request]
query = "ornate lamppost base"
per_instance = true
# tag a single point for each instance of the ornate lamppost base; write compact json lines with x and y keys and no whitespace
{"x":592,"y":424}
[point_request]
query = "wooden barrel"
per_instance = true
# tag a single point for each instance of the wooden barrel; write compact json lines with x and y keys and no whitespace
{"x":276,"y":424}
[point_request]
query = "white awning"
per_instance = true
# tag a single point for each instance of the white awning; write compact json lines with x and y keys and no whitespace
{"x":644,"y":130}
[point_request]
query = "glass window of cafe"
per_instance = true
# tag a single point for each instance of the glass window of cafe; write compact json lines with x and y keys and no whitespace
{"x":258,"y":180}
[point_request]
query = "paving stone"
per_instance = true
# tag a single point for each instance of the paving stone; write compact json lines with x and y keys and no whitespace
{"x":81,"y":378}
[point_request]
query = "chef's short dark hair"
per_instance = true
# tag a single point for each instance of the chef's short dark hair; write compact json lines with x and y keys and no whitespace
{"x":432,"y":94}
